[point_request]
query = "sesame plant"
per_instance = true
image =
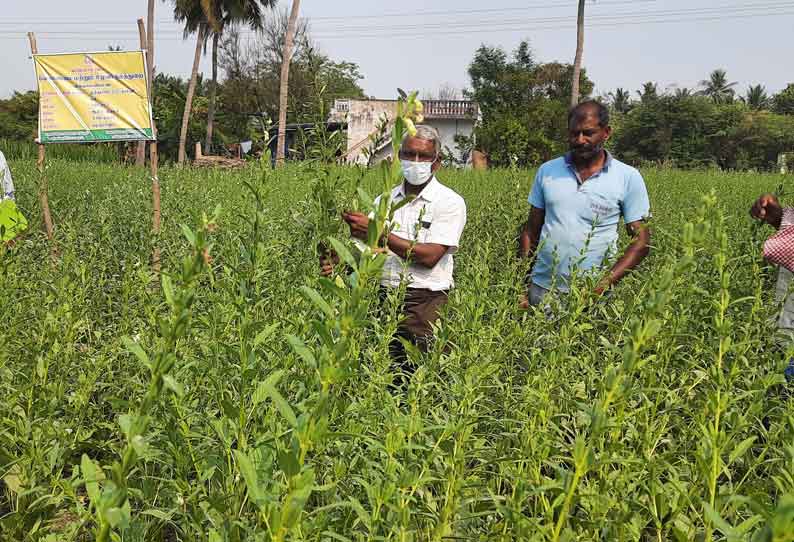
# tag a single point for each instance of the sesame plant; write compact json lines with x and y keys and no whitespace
{"x":248,"y":398}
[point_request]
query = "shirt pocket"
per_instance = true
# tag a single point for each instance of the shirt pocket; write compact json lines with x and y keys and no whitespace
{"x":601,"y":209}
{"x":423,"y":224}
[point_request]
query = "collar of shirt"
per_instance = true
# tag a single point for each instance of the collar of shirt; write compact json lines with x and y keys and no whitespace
{"x":428,"y":193}
{"x":572,"y":167}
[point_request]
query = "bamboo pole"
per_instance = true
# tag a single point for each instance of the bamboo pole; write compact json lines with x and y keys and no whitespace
{"x":153,"y":157}
{"x":44,"y":199}
{"x":140,"y":157}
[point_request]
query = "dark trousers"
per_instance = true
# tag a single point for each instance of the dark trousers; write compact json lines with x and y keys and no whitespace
{"x":420,"y":309}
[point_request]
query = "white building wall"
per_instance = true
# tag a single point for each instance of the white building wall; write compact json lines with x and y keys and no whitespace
{"x":448,"y":129}
{"x":363,"y":115}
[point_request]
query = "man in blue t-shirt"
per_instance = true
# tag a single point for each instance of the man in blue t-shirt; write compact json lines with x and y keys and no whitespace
{"x":577,"y":202}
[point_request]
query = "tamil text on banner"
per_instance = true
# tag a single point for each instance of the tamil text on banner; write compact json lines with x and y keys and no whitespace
{"x":89,"y":97}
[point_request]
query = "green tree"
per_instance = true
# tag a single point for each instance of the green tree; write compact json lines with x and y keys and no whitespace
{"x":523,"y":104}
{"x":195,"y":15}
{"x":718,"y":88}
{"x":251,"y":87}
{"x":783,"y":102}
{"x":756,"y":98}
{"x":168,"y":105}
{"x":696,"y":132}
{"x":620,"y":100}
{"x":19,"y":116}
{"x":226,"y":14}
{"x":667,"y":129}
{"x":649,"y":92}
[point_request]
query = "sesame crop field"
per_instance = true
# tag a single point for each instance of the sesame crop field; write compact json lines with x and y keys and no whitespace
{"x":241,"y":397}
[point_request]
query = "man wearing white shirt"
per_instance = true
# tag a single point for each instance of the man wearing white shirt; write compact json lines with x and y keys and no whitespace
{"x":12,"y":222}
{"x":423,"y":239}
{"x":6,"y":183}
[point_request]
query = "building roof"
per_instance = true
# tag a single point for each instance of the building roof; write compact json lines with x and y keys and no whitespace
{"x":434,"y":109}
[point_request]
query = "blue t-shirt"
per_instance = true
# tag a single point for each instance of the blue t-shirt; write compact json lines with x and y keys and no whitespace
{"x":581,"y":225}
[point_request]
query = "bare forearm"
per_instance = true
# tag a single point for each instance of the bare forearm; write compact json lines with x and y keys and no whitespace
{"x":529,"y":237}
{"x":525,"y":247}
{"x":527,"y":243}
{"x":635,"y":253}
{"x":424,"y":254}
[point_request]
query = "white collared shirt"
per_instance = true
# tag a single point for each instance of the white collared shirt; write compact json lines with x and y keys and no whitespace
{"x":436,"y":215}
{"x":6,"y":184}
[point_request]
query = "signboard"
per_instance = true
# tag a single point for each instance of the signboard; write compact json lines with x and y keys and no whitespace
{"x":91,"y":97}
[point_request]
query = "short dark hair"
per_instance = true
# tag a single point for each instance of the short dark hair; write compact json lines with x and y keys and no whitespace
{"x":581,"y":110}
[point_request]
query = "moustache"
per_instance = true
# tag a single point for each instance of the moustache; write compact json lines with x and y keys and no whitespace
{"x":582,"y":149}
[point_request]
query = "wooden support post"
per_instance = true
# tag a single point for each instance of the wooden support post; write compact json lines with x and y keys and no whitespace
{"x":44,"y":199}
{"x":140,"y":156}
{"x":149,"y":33}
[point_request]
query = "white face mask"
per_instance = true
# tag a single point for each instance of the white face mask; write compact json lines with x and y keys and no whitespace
{"x":416,"y":173}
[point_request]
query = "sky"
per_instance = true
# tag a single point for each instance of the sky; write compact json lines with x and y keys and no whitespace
{"x":425,"y":44}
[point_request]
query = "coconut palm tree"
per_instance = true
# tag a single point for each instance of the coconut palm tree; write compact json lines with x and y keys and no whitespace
{"x":621,"y":100}
{"x":717,"y":87}
{"x":577,"y":61}
{"x":284,"y":83}
{"x":225,"y":14}
{"x":757,"y":98}
{"x":683,"y":92}
{"x":649,"y":92}
{"x":195,"y":15}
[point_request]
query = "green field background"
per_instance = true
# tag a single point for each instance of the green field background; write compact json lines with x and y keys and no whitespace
{"x":699,"y":433}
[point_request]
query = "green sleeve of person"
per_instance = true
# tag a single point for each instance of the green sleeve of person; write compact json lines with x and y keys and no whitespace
{"x":12,"y":221}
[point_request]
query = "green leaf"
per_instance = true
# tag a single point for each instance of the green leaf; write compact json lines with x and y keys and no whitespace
{"x":125,"y":422}
{"x":342,"y":251}
{"x":302,"y":350}
{"x":248,"y":471}
{"x":189,"y":235}
{"x":136,"y":349}
{"x":288,"y":462}
{"x":312,"y":295}
{"x":399,"y":205}
{"x":13,"y":480}
{"x":159,"y":514}
{"x":171,"y":384}
{"x":740,"y":449}
{"x":295,"y":501}
{"x":334,"y":289}
{"x":140,"y":445}
{"x":89,"y":471}
{"x":362,"y":514}
{"x":168,"y":290}
{"x":265,"y":334}
{"x":268,"y":389}
{"x":372,"y":233}
{"x":365,"y":199}
{"x":723,"y":526}
{"x":260,"y":393}
{"x":117,"y":517}
{"x":335,"y":536}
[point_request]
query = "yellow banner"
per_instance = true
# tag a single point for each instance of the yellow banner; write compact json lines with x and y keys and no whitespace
{"x":89,"y":97}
